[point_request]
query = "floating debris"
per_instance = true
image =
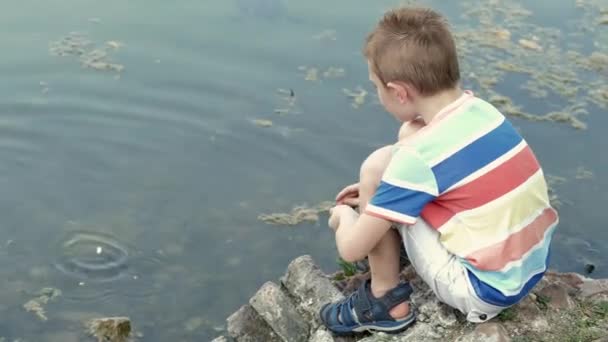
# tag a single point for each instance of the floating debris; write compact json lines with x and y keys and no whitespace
{"x":599,"y":96}
{"x":288,"y":96}
{"x":358,"y":96}
{"x":262,"y":123}
{"x":95,"y":20}
{"x":114,"y":44}
{"x":582,"y":173}
{"x":329,"y":35}
{"x":604,"y":20}
{"x":110,"y":329}
{"x":312,"y":74}
{"x":297,"y":215}
{"x":334,"y":72}
{"x":598,"y":61}
{"x":45,"y":87}
{"x":43,"y":297}
{"x":289,"y":93}
{"x":78,"y":45}
{"x":502,"y":34}
{"x":530,"y":44}
{"x":194,"y":323}
{"x":552,"y":182}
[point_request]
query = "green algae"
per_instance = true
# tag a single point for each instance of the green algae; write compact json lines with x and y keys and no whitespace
{"x":583,"y":173}
{"x":326,"y":35}
{"x":552,"y":182}
{"x":91,"y":55}
{"x":297,"y":215}
{"x":498,"y":39}
{"x":264,"y":123}
{"x":36,"y":305}
{"x":334,"y":72}
{"x":357,"y":96}
{"x":287,"y":98}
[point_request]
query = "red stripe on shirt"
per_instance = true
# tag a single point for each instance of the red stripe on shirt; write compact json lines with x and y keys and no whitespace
{"x":498,"y":255}
{"x":486,"y":188}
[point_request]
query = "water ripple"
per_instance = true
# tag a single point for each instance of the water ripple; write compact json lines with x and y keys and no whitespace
{"x":93,"y":256}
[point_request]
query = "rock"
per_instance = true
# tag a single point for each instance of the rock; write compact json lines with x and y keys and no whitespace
{"x":594,"y":287}
{"x":289,"y":312}
{"x":539,"y":323}
{"x":221,"y":339}
{"x":421,"y":332}
{"x":246,"y":325}
{"x":446,"y":317}
{"x":487,"y":332}
{"x":527,"y":309}
{"x":110,"y":329}
{"x":305,"y":281}
{"x":280,"y":313}
{"x":572,"y":281}
{"x":322,"y":335}
{"x":558,"y":297}
{"x":529,"y":312}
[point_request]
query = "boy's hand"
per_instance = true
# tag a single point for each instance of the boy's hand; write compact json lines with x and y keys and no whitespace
{"x":340,"y":214}
{"x":349,"y":195}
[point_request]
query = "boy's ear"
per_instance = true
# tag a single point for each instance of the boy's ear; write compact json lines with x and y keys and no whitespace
{"x":401,"y":90}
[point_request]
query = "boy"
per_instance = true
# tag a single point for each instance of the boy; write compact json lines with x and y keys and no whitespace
{"x":466,"y":190}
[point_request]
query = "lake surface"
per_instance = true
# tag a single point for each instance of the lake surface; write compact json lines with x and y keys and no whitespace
{"x":136,"y":192}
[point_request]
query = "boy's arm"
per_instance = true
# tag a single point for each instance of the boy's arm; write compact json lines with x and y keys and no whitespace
{"x":356,"y":235}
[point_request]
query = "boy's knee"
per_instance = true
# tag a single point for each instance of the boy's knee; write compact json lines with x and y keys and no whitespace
{"x":373,"y":167}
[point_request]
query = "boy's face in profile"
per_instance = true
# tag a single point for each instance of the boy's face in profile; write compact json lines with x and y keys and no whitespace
{"x":394,"y":97}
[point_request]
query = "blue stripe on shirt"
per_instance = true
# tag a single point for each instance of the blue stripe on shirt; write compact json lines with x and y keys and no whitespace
{"x":510,"y":280}
{"x":400,"y":200}
{"x":493,"y":296}
{"x":476,"y":155}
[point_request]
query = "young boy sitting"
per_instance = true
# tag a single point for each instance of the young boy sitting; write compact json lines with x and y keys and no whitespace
{"x":465,"y":189}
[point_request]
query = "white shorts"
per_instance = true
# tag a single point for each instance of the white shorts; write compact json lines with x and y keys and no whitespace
{"x":443,"y":272}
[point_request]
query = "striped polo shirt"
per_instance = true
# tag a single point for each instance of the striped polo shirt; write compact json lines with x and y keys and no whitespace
{"x":474,"y":179}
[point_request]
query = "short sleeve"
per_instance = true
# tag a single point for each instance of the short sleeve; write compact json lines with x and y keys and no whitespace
{"x":407,"y":185}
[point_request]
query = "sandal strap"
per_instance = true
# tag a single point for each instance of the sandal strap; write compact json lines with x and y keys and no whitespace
{"x":369,"y":309}
{"x":345,"y":313}
{"x":397,"y":295}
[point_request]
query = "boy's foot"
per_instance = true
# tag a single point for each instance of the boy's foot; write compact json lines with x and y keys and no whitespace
{"x":361,"y":311}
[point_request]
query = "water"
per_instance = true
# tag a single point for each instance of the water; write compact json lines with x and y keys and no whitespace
{"x":138,"y":195}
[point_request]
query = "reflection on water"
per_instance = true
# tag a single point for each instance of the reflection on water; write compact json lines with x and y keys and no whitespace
{"x":140,"y":195}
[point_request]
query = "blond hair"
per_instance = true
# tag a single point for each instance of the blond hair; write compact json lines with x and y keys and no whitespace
{"x":415,"y":46}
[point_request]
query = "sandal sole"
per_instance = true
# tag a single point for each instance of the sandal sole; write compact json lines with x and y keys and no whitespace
{"x":374,"y":327}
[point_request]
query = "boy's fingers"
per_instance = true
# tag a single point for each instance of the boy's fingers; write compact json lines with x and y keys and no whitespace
{"x":351,"y":202}
{"x":341,"y":196}
{"x":349,"y":189}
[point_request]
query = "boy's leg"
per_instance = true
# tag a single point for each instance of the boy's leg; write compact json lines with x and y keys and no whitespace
{"x":384,"y":257}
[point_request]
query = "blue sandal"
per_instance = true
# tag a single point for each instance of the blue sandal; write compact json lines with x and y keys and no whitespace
{"x":361,"y":311}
